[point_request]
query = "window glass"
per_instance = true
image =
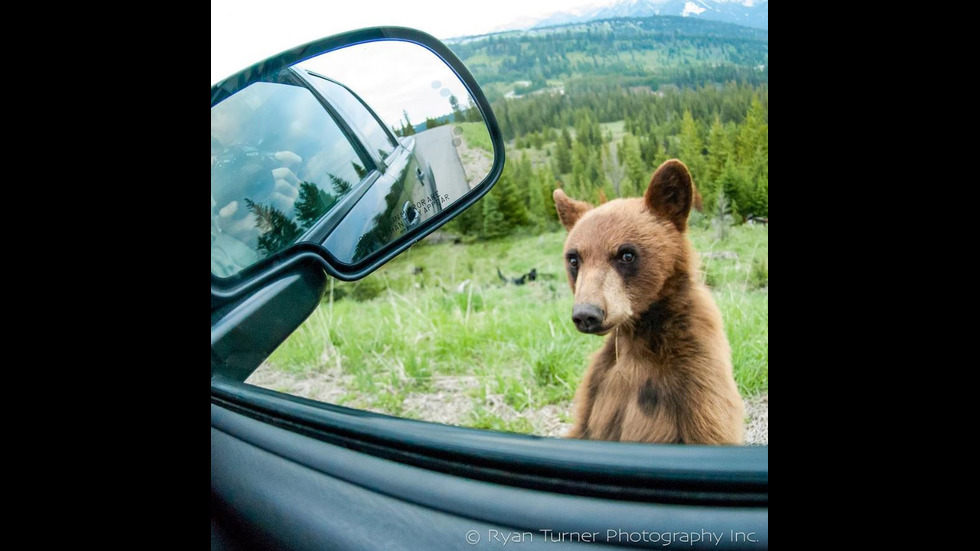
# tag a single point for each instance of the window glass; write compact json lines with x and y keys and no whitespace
{"x":476,"y":324}
{"x":357,"y":115}
{"x":279,"y":162}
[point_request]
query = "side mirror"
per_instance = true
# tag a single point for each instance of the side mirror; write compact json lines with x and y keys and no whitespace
{"x":347,"y":150}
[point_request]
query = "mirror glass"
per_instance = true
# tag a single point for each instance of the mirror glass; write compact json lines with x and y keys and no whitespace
{"x":352,"y":149}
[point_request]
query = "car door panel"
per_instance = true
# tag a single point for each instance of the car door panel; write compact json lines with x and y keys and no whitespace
{"x":295,"y":491}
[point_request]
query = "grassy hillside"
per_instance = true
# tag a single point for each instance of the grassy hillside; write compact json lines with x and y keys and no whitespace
{"x":438,"y":320}
{"x":647,"y":51}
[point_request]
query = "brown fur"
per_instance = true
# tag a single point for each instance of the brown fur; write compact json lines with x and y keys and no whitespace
{"x":664,"y":373}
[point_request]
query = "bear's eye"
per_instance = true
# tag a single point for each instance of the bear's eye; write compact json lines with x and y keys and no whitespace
{"x":627,"y":256}
{"x":573,"y":262}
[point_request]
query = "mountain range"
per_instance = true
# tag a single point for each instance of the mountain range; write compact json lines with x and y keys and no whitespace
{"x":750,"y":13}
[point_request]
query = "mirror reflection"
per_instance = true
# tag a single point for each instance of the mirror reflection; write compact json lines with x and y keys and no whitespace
{"x":330,"y":151}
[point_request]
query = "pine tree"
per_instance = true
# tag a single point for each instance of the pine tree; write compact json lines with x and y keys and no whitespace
{"x":470,"y":221}
{"x":566,"y":138}
{"x":720,"y":153}
{"x":753,"y":136}
{"x":737,"y":188}
{"x":580,"y":166}
{"x":613,"y":168}
{"x":719,"y":149}
{"x":546,"y":186}
{"x":493,"y":219}
{"x":587,"y":131}
{"x":541,"y":208}
{"x":691,"y":147}
{"x":753,"y":151}
{"x":563,"y":152}
{"x":523,"y":174}
{"x":594,"y":178}
{"x":510,"y":203}
{"x":637,"y":173}
{"x":722,"y":215}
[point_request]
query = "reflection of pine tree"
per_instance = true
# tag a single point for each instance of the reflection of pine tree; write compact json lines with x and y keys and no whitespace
{"x":407,"y":127}
{"x":384,"y":229}
{"x":312,"y":203}
{"x":277,"y":230}
{"x":457,"y":113}
{"x":358,"y":169}
{"x":340,"y":186}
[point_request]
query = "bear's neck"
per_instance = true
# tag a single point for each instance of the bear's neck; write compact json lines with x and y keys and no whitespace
{"x":665,"y":326}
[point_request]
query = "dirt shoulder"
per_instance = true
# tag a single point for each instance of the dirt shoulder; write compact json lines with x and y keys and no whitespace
{"x":476,"y":162}
{"x":451,"y":401}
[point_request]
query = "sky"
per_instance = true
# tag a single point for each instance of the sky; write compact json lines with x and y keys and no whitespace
{"x":425,"y":82}
{"x":246,"y":31}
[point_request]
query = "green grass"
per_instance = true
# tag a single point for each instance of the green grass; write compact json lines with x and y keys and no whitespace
{"x":476,"y":135}
{"x":516,"y":342}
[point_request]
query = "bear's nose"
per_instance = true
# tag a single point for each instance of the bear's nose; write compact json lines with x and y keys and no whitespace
{"x":587,"y":317}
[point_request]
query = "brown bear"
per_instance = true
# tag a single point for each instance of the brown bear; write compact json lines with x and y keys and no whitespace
{"x":664,"y":373}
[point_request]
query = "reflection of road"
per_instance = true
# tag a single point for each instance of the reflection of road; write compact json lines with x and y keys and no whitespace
{"x":436,"y":146}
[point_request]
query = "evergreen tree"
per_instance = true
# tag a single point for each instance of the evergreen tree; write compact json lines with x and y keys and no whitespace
{"x":523,"y":174}
{"x":563,"y":152}
{"x":470,"y":221}
{"x":719,"y":148}
{"x":737,"y":188}
{"x":613,"y":168}
{"x":566,"y":138}
{"x":510,"y":203}
{"x":493,"y":219}
{"x":546,"y":187}
{"x":580,"y":167}
{"x":753,"y":136}
{"x":690,"y":147}
{"x":587,"y":131}
{"x":722,"y":215}
{"x":541,"y":206}
{"x":637,"y":174}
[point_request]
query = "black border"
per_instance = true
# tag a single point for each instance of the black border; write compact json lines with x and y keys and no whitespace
{"x":226,"y":289}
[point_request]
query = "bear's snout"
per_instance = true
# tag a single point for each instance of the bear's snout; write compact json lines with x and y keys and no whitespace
{"x":588,"y":317}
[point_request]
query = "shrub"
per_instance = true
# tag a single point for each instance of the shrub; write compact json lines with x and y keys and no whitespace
{"x":759,"y":275}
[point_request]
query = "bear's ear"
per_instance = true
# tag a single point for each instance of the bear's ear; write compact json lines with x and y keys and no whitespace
{"x":569,"y":210}
{"x":671,"y":193}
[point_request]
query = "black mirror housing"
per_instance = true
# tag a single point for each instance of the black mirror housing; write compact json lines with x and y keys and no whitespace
{"x":399,"y":196}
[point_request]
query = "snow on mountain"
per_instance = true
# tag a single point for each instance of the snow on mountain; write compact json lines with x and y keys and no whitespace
{"x":750,"y":13}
